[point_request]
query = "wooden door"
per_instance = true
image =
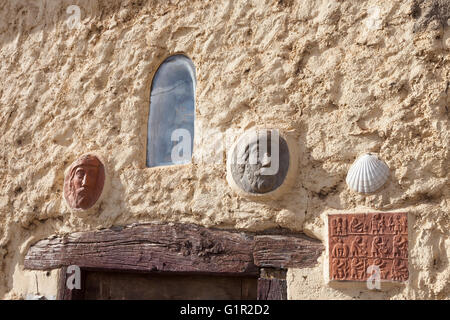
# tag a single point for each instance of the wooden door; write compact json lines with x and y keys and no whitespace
{"x":133,"y":286}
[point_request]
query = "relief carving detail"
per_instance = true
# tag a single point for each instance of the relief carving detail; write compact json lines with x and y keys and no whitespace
{"x":84,"y":182}
{"x":357,"y":241}
{"x":260,"y":161}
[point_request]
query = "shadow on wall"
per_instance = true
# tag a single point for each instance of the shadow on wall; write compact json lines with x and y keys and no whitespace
{"x":360,"y":290}
{"x":432,"y":14}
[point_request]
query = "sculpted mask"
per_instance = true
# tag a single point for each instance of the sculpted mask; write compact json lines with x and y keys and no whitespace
{"x":84,"y":182}
{"x":261,"y":161}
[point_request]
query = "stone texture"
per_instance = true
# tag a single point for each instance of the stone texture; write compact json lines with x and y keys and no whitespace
{"x":311,"y":67}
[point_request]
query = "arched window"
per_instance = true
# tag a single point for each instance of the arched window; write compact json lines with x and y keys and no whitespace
{"x":170,"y":134}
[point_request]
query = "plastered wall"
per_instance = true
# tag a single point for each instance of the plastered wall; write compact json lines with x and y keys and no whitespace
{"x":343,"y":77}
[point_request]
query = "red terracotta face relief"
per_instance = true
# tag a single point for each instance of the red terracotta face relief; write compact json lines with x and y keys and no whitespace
{"x":84,"y":182}
{"x":359,"y":241}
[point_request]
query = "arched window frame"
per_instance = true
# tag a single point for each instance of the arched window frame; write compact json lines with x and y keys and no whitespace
{"x":157,"y":134}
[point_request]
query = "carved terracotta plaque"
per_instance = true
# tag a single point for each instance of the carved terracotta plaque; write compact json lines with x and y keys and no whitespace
{"x":359,"y":244}
{"x":84,"y":182}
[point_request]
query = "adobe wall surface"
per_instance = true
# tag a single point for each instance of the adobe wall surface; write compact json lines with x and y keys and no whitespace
{"x":343,"y":77}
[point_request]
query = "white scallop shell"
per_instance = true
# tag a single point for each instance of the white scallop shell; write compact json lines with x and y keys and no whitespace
{"x":367,"y":174}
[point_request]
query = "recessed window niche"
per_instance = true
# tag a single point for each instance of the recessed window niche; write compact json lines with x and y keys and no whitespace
{"x":171,"y":118}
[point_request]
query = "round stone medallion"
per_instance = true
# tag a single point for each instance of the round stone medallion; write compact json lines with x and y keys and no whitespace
{"x":259,"y":161}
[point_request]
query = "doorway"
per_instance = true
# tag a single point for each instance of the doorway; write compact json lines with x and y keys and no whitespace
{"x":100,"y":285}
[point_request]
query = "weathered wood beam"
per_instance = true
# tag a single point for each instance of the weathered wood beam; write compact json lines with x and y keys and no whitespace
{"x":152,"y":247}
{"x":295,"y":251}
{"x":64,"y":293}
{"x":272,"y":289}
{"x":174,"y":248}
{"x":272,"y":284}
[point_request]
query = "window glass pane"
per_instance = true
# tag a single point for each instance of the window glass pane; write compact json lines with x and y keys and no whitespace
{"x":172,"y":107}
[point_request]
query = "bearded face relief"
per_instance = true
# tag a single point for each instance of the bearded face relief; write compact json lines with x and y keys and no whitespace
{"x":260,"y":161}
{"x":84,"y":182}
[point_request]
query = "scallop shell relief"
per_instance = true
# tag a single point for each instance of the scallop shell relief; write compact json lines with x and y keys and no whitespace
{"x":367,"y":174}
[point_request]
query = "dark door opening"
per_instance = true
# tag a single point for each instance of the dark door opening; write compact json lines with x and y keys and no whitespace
{"x":157,"y":286}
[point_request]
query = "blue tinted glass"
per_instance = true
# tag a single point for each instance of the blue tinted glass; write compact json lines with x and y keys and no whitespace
{"x":172,"y":107}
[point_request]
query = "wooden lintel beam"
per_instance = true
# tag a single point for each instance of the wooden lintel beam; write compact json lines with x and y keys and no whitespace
{"x":173,"y":248}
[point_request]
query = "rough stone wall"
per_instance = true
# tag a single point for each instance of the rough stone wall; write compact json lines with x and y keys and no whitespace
{"x":343,"y":77}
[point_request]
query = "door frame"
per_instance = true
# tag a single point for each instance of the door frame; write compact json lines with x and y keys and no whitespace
{"x":177,"y":248}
